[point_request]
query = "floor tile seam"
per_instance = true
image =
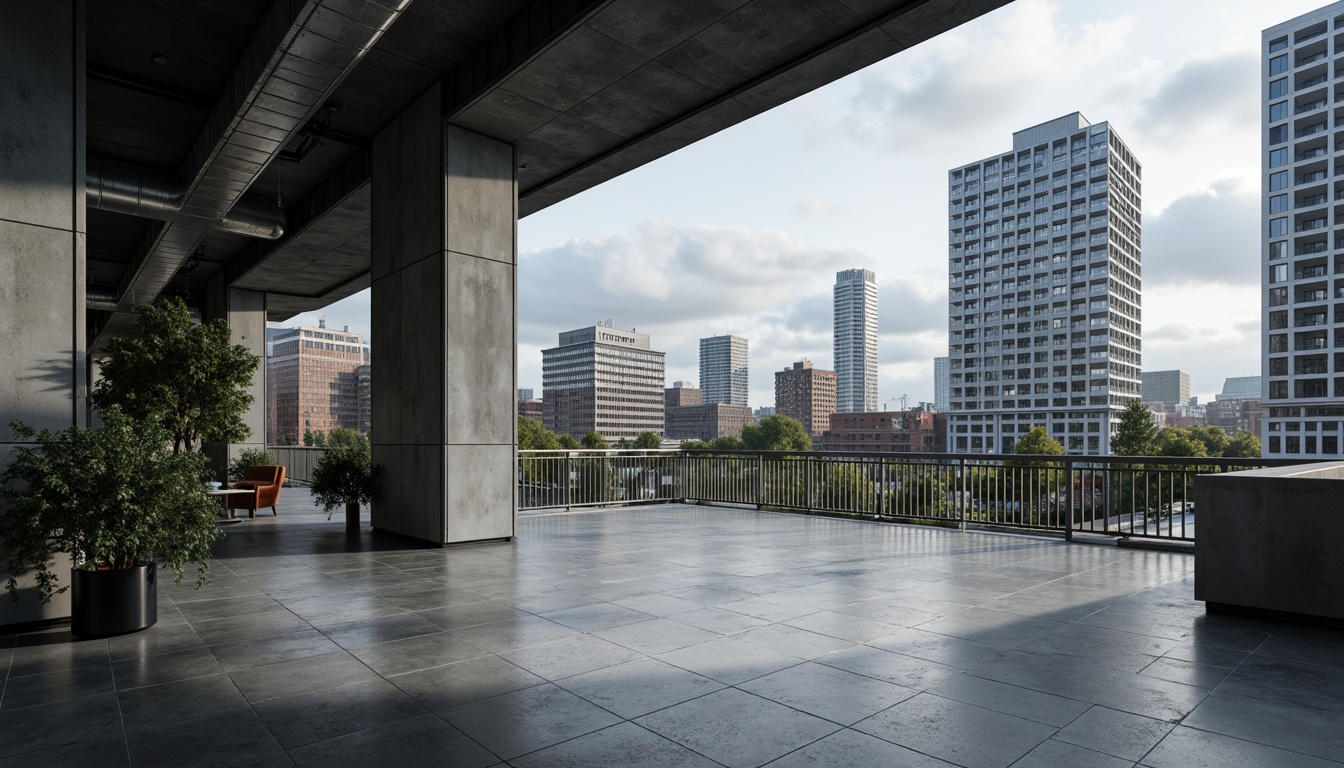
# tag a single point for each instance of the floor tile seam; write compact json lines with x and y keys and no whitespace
{"x":1248,"y":741}
{"x":1269,"y":655}
{"x":1298,"y":703}
{"x":252,"y":704}
{"x":118,"y":689}
{"x":1088,"y":705}
{"x":121,"y":718}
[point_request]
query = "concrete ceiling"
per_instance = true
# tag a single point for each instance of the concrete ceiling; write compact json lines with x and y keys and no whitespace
{"x":586,"y":89}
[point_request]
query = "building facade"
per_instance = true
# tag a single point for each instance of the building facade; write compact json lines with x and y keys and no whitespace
{"x":602,"y":379}
{"x":808,"y":395}
{"x":1045,"y":295}
{"x":941,"y":393}
{"x":723,"y":370}
{"x":313,"y":382}
{"x":855,"y":340}
{"x":706,"y":421}
{"x":913,"y":431}
{"x":531,"y":409}
{"x":1169,"y":388}
{"x":1302,"y":314}
{"x":681,"y":393}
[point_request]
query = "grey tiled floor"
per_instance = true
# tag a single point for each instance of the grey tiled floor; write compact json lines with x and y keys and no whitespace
{"x":678,"y":636}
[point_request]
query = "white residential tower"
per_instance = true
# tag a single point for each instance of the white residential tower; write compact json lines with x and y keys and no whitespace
{"x":856,"y":341}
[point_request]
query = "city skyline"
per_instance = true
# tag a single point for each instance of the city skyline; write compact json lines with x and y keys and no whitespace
{"x":764,"y":205}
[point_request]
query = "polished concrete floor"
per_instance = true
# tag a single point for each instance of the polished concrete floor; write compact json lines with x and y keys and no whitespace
{"x":678,"y":636}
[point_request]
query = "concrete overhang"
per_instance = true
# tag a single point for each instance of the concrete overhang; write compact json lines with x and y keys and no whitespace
{"x":589,"y":91}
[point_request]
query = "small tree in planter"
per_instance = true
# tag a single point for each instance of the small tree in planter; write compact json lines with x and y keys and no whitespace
{"x":346,"y":476}
{"x":188,"y":378}
{"x":118,"y":500}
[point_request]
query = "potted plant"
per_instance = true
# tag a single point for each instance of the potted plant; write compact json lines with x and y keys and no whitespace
{"x":346,"y":476}
{"x":121,"y":503}
{"x":246,"y":460}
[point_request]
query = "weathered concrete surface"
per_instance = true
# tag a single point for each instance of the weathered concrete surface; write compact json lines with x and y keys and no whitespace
{"x":245,"y":312}
{"x":43,"y":374}
{"x":444,"y":208}
{"x":1272,"y":540}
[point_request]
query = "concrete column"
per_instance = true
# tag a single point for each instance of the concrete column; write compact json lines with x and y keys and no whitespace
{"x":245,"y":312}
{"x":43,"y":369}
{"x":444,"y":216}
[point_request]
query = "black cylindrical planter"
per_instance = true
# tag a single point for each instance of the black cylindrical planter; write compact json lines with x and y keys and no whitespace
{"x":113,"y":602}
{"x":352,"y":517}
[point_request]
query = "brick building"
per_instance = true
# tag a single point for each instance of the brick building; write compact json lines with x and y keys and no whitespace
{"x":706,"y":421}
{"x":313,"y":381}
{"x":806,"y":394}
{"x":912,"y":431}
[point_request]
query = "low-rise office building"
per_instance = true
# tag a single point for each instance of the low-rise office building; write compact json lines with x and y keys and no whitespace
{"x":913,"y":431}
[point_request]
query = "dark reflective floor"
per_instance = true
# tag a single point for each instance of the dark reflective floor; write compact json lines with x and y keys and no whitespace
{"x":678,"y":636}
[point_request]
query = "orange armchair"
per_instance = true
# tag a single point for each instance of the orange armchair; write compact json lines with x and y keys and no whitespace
{"x":264,"y":481}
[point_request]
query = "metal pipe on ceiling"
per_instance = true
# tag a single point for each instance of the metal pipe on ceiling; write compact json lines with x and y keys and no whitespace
{"x":124,"y":188}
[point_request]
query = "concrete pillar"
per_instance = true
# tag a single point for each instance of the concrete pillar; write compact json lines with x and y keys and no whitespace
{"x":43,"y":373}
{"x":245,"y":312}
{"x":444,"y":216}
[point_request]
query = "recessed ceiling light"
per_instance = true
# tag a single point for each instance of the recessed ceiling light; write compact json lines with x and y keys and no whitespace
{"x":159,"y":58}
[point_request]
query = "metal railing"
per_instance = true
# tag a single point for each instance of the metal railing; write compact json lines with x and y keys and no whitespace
{"x":1126,"y":496}
{"x":298,"y":460}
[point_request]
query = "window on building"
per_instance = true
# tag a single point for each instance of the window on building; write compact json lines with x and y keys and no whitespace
{"x":1278,"y":88}
{"x":1278,"y":180}
{"x":1278,"y":227}
{"x":1278,"y":134}
{"x":1278,"y":65}
{"x":1278,"y":45}
{"x":1278,"y":273}
{"x":1278,"y":203}
{"x":1277,"y":159}
{"x":1278,"y":112}
{"x":1278,"y":250}
{"x":1278,"y":343}
{"x":1278,"y":390}
{"x":1274,"y":444}
{"x":1278,"y":320}
{"x":1278,"y":297}
{"x":1278,"y":366}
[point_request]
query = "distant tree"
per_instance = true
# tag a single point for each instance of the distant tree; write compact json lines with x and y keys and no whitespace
{"x":594,"y":441}
{"x":1243,"y":444}
{"x":648,"y":440}
{"x":1038,"y":442}
{"x":532,"y":436}
{"x":320,"y":439}
{"x":776,"y":433}
{"x":1215,"y":440}
{"x":308,"y":437}
{"x":187,"y":377}
{"x":727,"y":444}
{"x":1136,"y":434}
{"x":623,"y":444}
{"x":246,"y":460}
{"x":342,"y":437}
{"x":1177,"y":441}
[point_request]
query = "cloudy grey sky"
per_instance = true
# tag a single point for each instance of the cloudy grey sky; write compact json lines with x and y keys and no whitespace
{"x":743,"y":232}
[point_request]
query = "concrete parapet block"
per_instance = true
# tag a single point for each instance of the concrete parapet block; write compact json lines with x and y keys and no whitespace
{"x":1271,"y":542}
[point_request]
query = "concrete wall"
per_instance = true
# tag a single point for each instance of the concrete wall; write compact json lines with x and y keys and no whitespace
{"x":444,"y":214}
{"x":1272,"y":540}
{"x":43,"y":376}
{"x":245,"y":312}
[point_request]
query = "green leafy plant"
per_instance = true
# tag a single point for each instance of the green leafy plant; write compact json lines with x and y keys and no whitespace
{"x":187,"y":378}
{"x":248,"y":459}
{"x":345,"y":476}
{"x":111,"y":497}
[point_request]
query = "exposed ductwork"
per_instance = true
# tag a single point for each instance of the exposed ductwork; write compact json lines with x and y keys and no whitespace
{"x":300,"y":53}
{"x":125,"y":188}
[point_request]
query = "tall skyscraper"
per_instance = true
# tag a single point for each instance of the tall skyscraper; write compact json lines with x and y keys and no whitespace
{"x":941,"y":394}
{"x":1302,"y":305}
{"x":723,"y":369}
{"x":604,"y":379}
{"x":1044,"y":292}
{"x":1170,"y":388}
{"x":808,"y":395}
{"x":856,"y":340}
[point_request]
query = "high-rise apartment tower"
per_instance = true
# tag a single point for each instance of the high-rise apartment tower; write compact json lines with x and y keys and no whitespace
{"x":1044,"y":255}
{"x":1302,"y":305}
{"x":856,"y":340}
{"x":602,"y":379}
{"x":723,"y":370}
